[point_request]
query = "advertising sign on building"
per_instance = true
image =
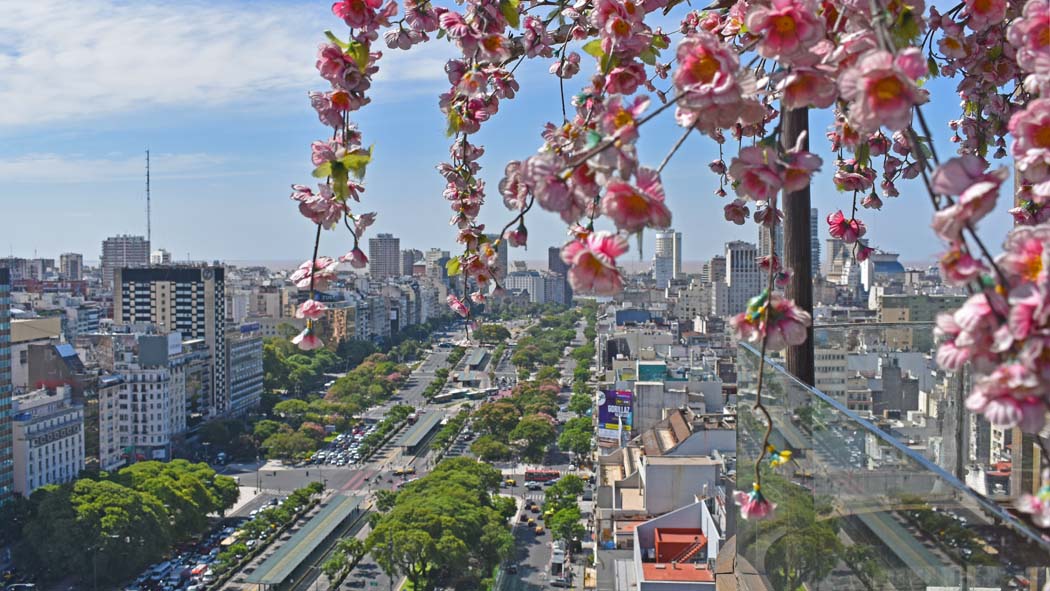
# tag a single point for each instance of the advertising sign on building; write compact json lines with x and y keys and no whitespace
{"x":615,"y":411}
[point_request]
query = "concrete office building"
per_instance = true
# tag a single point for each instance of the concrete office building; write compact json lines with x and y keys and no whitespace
{"x":814,"y":240}
{"x":6,"y":463}
{"x":120,"y":252}
{"x":48,"y":439}
{"x":667,"y":258}
{"x":384,"y":256}
{"x":71,"y":266}
{"x":160,"y":257}
{"x":743,"y":276}
{"x":244,"y":371}
{"x":190,"y":300}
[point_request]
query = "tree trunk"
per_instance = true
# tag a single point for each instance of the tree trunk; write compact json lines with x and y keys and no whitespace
{"x":797,"y":251}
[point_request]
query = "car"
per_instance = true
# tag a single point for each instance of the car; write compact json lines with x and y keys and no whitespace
{"x":588,"y":495}
{"x":512,"y":569}
{"x":535,"y":509}
{"x":525,"y":518}
{"x":533,"y":486}
{"x":538,"y":530}
{"x":355,"y":583}
{"x":561,"y":582}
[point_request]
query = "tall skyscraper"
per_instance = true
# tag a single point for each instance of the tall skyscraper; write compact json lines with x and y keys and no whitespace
{"x":71,"y":266}
{"x":667,"y":258}
{"x":435,"y":260}
{"x":384,"y":256}
{"x":190,"y":300}
{"x":556,"y":265}
{"x":7,"y":467}
{"x":743,"y":276}
{"x":124,"y":251}
{"x":814,"y":240}
{"x":763,"y":241}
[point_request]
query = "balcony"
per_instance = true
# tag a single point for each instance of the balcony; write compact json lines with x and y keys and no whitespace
{"x":858,"y":508}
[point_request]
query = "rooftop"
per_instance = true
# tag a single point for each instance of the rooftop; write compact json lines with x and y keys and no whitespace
{"x":696,"y":573}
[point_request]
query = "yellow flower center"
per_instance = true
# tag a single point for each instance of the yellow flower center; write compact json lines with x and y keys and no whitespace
{"x":621,"y":28}
{"x":623,"y":119}
{"x":1041,"y":136}
{"x":784,"y":24}
{"x":492,"y":43}
{"x":1033,"y":268}
{"x":888,"y":88}
{"x":1042,"y":38}
{"x":704,"y":68}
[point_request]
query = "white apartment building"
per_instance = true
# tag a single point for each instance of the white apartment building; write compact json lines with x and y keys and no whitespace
{"x":830,"y":371}
{"x":743,"y":276}
{"x":48,"y":439}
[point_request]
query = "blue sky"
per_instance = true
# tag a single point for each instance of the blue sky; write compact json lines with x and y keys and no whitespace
{"x":217,"y":91}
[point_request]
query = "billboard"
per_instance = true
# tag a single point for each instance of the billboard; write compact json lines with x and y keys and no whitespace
{"x":615,"y":407}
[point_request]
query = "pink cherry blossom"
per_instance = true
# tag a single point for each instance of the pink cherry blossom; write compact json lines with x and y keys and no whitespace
{"x":799,"y":167}
{"x":634,"y":208}
{"x":982,"y":14}
{"x":592,"y":261}
{"x":457,"y":306}
{"x":863,"y":252}
{"x":753,"y":505}
{"x":568,"y":67}
{"x":1031,"y":130}
{"x":1026,"y":253}
{"x":1037,"y":505}
{"x":786,"y":28}
{"x":707,"y":77}
{"x":322,"y":272}
{"x":737,"y":212}
{"x":307,"y":340}
{"x":518,"y":237}
{"x":361,"y":223}
{"x":846,"y":230}
{"x":757,"y":173}
{"x":1029,"y":35}
{"x":625,"y":79}
{"x":321,"y":207}
{"x":785,"y":326}
{"x":311,"y":309}
{"x":959,"y":268}
{"x":620,"y":118}
{"x":880,"y":93}
{"x":356,"y":258}
{"x":808,"y":87}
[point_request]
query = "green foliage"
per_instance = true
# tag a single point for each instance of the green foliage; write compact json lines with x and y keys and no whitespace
{"x":532,"y":435}
{"x":563,"y":493}
{"x":490,"y":449}
{"x":394,"y":417}
{"x":576,"y":436}
{"x":375,"y":380}
{"x":580,"y":403}
{"x":445,"y":527}
{"x":119,"y":523}
{"x":565,"y":524}
{"x":456,"y":356}
{"x":450,"y":430}
{"x":548,"y":372}
{"x":492,"y":333}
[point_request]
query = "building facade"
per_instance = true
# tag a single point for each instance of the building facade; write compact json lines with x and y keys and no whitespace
{"x":48,"y":439}
{"x":743,"y":276}
{"x":6,"y":457}
{"x":384,"y":256}
{"x":189,"y":300}
{"x":244,"y":371}
{"x":122,"y":252}
{"x":71,"y":266}
{"x":667,"y":257}
{"x":814,"y":240}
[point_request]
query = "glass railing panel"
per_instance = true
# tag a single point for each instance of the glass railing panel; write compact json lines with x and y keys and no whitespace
{"x":857,"y":509}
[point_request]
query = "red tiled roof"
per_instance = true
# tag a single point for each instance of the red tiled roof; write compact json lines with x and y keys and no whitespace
{"x":697,"y":573}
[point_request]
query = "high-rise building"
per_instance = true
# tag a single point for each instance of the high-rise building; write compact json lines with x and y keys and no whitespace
{"x":6,"y":451}
{"x":384,"y":256}
{"x":190,"y":300}
{"x":120,"y":252}
{"x":743,"y":276}
{"x":244,"y":368}
{"x":667,"y":256}
{"x":71,"y":266}
{"x":409,"y":256}
{"x":160,"y":257}
{"x":556,"y":265}
{"x":435,"y":260}
{"x":814,"y":240}
{"x":48,"y":439}
{"x":714,"y":271}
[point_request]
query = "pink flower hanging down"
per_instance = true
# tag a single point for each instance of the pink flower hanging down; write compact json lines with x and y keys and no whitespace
{"x":323,"y":272}
{"x":311,"y":309}
{"x":307,"y":340}
{"x":977,"y":190}
{"x":457,"y":306}
{"x":592,"y":261}
{"x":786,"y":324}
{"x":1031,"y":131}
{"x":737,"y":212}
{"x":845,"y":230}
{"x":356,"y":258}
{"x":753,"y":505}
{"x":757,"y":173}
{"x":634,"y":208}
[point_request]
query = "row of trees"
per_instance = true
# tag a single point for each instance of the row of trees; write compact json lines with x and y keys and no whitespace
{"x":114,"y":524}
{"x":522,"y":424}
{"x":544,"y":343}
{"x":267,"y":523}
{"x":576,"y":436}
{"x":562,"y":510}
{"x":447,"y":528}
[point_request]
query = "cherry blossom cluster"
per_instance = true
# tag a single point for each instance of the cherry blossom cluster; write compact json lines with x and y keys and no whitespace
{"x":727,"y":73}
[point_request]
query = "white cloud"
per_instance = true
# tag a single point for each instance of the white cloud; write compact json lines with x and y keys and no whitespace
{"x":76,"y":168}
{"x":69,"y":61}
